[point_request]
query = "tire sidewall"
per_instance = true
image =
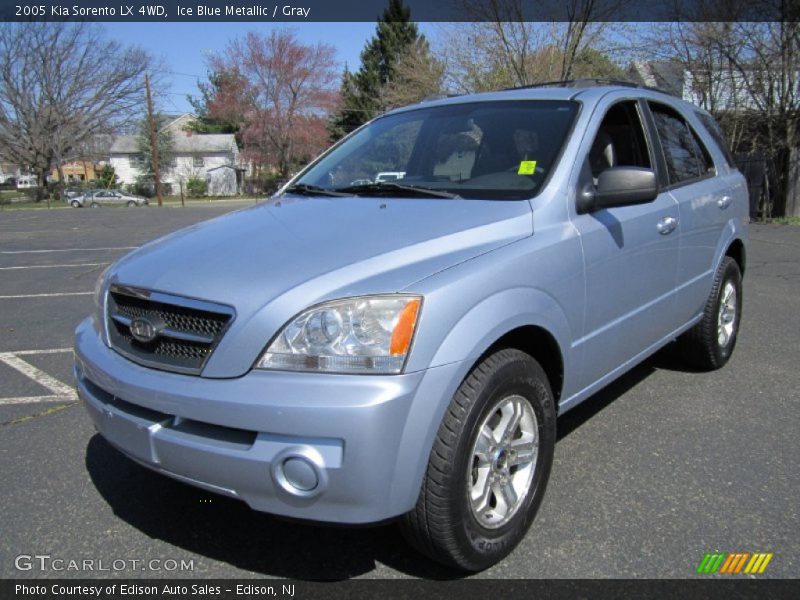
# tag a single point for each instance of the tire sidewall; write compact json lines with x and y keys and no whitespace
{"x":729,"y":273}
{"x":483,"y":546}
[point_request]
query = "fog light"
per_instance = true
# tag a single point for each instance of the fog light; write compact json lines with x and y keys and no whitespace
{"x":300,"y":474}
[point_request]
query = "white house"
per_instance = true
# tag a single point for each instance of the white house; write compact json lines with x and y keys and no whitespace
{"x":195,"y":154}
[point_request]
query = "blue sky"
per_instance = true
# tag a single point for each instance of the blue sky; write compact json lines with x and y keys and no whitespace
{"x":184,"y":46}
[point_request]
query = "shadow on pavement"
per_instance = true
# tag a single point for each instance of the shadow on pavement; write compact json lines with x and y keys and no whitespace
{"x":226,"y":530}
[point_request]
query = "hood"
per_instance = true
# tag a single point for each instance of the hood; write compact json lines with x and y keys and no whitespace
{"x":271,"y":261}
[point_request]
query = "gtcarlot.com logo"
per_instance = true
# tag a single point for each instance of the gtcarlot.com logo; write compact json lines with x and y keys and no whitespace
{"x":47,"y":562}
{"x":732,"y":563}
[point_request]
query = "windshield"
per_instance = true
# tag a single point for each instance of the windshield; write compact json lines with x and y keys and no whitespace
{"x":488,"y":150}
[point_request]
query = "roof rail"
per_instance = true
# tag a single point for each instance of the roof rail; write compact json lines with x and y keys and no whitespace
{"x":589,"y":82}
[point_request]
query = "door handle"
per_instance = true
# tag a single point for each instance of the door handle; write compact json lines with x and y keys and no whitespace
{"x":724,"y":202}
{"x":667,"y":225}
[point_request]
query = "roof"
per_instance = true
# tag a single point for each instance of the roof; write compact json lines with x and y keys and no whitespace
{"x":198,"y":143}
{"x":667,"y":75}
{"x":559,"y":91}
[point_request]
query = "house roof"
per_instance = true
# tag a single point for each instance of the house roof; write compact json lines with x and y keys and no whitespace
{"x":198,"y":143}
{"x":666,"y":75}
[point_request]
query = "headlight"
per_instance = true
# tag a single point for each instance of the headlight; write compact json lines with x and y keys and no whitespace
{"x":100,"y":302}
{"x":99,"y":286}
{"x":369,"y":334}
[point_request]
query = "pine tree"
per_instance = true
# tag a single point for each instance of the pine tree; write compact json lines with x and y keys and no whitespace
{"x":362,"y":92}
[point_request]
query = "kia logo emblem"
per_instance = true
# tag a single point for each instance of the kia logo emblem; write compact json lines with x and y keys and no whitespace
{"x":144,"y":329}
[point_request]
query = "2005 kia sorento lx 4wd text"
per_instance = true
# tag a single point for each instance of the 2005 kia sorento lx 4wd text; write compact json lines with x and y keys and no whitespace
{"x":353,"y":350}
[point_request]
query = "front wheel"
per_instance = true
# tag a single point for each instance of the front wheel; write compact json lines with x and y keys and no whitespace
{"x":489,"y":465}
{"x":709,"y":344}
{"x":75,"y":204}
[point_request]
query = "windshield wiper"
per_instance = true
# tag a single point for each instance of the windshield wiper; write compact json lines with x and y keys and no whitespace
{"x":312,"y":190}
{"x":383,"y":187}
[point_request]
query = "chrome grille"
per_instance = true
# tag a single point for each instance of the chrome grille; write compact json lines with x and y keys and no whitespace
{"x":188,"y":330}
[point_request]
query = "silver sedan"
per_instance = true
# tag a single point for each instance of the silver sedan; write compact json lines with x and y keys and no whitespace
{"x":97,"y":198}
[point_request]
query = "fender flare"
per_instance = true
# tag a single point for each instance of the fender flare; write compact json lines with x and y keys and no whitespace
{"x":471,"y":336}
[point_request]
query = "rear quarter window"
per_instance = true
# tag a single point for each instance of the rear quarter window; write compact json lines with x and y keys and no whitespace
{"x":715,"y":131}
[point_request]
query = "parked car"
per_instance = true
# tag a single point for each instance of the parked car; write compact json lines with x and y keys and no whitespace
{"x":403,"y":349}
{"x":97,"y":198}
{"x":389,"y":176}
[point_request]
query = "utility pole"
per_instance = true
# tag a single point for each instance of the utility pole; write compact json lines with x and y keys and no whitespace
{"x":151,"y":121}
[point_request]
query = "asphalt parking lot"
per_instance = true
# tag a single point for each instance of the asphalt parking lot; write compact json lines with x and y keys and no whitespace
{"x":650,"y":474}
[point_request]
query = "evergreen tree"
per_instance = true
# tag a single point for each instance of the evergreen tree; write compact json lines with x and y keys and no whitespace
{"x":217,"y":109}
{"x":362,"y":92}
{"x":166,"y":145}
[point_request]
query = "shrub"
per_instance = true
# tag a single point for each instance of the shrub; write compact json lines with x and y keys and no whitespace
{"x":196,"y":187}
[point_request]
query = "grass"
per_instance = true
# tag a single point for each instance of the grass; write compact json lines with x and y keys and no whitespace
{"x":31,"y":206}
{"x":169,"y":201}
{"x":785,"y":221}
{"x":176,"y":200}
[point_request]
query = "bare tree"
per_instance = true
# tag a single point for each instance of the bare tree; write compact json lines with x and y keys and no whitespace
{"x":418,"y":75}
{"x":503,"y":48}
{"x":60,"y":85}
{"x":747,"y":74}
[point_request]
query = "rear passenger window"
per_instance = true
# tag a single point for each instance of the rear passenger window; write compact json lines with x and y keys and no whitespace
{"x":684,"y":153}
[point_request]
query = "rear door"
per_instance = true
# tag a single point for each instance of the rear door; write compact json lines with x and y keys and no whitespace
{"x":697,"y":182}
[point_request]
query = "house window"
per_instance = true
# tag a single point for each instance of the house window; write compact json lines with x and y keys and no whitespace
{"x":198,"y":161}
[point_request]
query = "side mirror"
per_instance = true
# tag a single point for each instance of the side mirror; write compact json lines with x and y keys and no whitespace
{"x":623,"y":186}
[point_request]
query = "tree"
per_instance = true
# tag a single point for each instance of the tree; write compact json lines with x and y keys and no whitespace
{"x":220,"y":107}
{"x":418,"y":75}
{"x":747,"y":74}
{"x":502,"y":49}
{"x":107,"y":178}
{"x":363,"y":93}
{"x":166,"y":146}
{"x":284,"y":90}
{"x":60,"y":85}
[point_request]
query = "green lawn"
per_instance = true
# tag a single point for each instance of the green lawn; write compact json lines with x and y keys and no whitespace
{"x":785,"y":221}
{"x":169,"y":202}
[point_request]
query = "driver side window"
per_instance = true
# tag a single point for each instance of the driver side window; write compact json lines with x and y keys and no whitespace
{"x":620,"y":140}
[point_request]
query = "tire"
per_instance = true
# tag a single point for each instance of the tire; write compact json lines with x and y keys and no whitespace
{"x":94,"y":205}
{"x":458,"y":520}
{"x":75,"y":204}
{"x":132,"y":203}
{"x":709,"y":344}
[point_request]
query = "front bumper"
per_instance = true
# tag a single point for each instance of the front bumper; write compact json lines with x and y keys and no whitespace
{"x":335,"y":448}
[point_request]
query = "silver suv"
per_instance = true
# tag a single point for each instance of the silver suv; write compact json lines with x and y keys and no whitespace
{"x":355,"y":350}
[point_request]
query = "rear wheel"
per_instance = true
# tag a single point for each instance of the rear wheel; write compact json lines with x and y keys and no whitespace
{"x":132,"y":203}
{"x":709,"y":344}
{"x":94,"y":205}
{"x":489,"y":466}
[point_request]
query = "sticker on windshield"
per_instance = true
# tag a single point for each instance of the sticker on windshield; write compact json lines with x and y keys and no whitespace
{"x":527,"y":167}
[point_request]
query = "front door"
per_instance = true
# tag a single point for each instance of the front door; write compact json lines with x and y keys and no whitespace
{"x":630,"y":254}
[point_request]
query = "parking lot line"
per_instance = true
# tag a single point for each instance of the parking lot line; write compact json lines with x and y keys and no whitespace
{"x":66,"y":250}
{"x":60,"y":391}
{"x":44,"y":351}
{"x":55,"y":294}
{"x":37,"y":399}
{"x":98,"y":264}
